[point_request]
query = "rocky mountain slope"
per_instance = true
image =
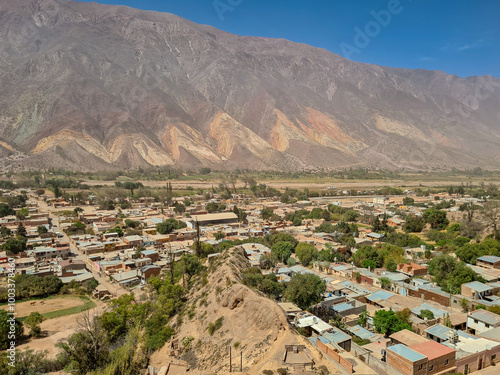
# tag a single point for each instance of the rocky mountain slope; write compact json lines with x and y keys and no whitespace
{"x":251,"y":324}
{"x":89,"y":86}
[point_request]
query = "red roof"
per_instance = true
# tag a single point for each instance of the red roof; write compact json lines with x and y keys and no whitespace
{"x":432,"y":349}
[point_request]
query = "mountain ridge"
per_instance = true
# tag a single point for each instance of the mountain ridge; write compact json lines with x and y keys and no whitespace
{"x":124,"y":88}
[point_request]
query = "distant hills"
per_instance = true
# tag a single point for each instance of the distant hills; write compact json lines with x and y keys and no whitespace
{"x":87,"y":86}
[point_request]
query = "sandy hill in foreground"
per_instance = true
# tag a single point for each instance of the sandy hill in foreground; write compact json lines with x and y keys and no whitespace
{"x":257,"y":323}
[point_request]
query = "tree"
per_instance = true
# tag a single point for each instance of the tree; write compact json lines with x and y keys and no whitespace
{"x":5,"y":332}
{"x":426,"y":314}
{"x":282,"y":250}
{"x":169,"y":226}
{"x":413,"y":224}
{"x":41,"y":229}
{"x":219,"y":235}
{"x":325,"y":227}
{"x":385,"y":282}
{"x":450,"y":274}
{"x":363,"y":318}
{"x":5,"y":232}
{"x":14,"y":245}
{"x":21,"y":230}
{"x":350,"y":215}
{"x":387,"y":322}
{"x":407,"y":201}
{"x":305,"y":290}
{"x":368,"y":263}
{"x":266,"y":213}
{"x":179,"y":208}
{"x":267,"y":261}
{"x":190,"y":265}
{"x":33,"y":322}
{"x":492,"y":214}
{"x":6,"y":210}
{"x":306,"y":253}
{"x":390,"y":265}
{"x":436,"y":218}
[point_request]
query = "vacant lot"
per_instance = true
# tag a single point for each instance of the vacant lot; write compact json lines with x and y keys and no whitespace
{"x":50,"y":305}
{"x":58,"y":329}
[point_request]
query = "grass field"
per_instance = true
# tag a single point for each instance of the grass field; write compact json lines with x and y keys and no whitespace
{"x":54,"y":306}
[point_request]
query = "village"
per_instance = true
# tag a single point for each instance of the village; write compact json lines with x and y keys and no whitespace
{"x":122,"y":248}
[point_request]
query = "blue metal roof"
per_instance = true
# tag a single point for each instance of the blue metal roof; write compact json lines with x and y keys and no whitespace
{"x":424,"y":306}
{"x":341,"y":307}
{"x":406,"y":352}
{"x":361,"y":332}
{"x":336,"y":337}
{"x":477,"y":286}
{"x":439,"y":331}
{"x":380,"y":294}
{"x":489,"y":258}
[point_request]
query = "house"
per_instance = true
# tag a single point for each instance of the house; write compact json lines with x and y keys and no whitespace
{"x":407,"y":338}
{"x":405,"y":360}
{"x":481,"y":320}
{"x":395,"y":222}
{"x":133,"y":240}
{"x":213,"y":219}
{"x":488,"y":261}
{"x":151,"y":254}
{"x":440,"y":358}
{"x":147,"y":271}
{"x":476,"y":290}
{"x":412,"y":269}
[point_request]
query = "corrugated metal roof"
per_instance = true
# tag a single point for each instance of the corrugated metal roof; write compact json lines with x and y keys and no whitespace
{"x":477,"y":286}
{"x":379,"y":295}
{"x":406,"y":352}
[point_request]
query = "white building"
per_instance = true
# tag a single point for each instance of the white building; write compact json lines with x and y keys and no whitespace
{"x":481,"y":321}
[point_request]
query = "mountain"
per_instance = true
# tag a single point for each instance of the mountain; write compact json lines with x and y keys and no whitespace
{"x":89,"y":86}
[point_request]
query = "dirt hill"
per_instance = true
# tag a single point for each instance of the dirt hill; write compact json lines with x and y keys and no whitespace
{"x":251,"y":324}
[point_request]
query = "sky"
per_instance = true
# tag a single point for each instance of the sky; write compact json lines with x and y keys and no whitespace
{"x":459,"y":37}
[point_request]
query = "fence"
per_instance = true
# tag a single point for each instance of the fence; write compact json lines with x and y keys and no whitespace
{"x":330,"y":352}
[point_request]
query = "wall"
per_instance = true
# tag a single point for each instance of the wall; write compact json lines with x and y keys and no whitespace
{"x":330,"y":352}
{"x":439,"y":363}
{"x":405,"y":366}
{"x":473,"y":360}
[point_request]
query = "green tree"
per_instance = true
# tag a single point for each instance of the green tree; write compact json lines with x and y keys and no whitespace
{"x":282,"y":250}
{"x":387,"y":322}
{"x":306,"y":253}
{"x":385,"y":282}
{"x":436,"y":218}
{"x":407,"y":201}
{"x":33,"y":322}
{"x":390,"y":265}
{"x":14,"y":245}
{"x":426,"y":314}
{"x":368,"y":263}
{"x":450,"y":274}
{"x":6,"y":210}
{"x":305,"y":290}
{"x":219,"y":235}
{"x":5,"y":232}
{"x":21,"y":230}
{"x":325,"y":227}
{"x":168,"y":226}
{"x":413,"y":224}
{"x":363,"y":318}
{"x":350,"y":215}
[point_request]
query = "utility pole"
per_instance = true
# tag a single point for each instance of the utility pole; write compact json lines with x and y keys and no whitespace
{"x":230,"y":361}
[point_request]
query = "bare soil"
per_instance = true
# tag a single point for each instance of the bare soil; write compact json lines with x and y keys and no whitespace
{"x":49,"y":305}
{"x":58,"y":329}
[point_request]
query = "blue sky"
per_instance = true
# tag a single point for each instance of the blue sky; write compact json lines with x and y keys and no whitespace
{"x":460,"y":37}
